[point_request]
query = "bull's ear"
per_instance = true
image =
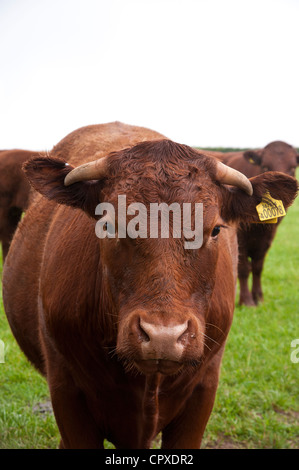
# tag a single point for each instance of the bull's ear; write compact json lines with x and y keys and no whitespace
{"x":253,"y":156}
{"x":239,"y":206}
{"x":47,"y":174}
{"x":297,"y":158}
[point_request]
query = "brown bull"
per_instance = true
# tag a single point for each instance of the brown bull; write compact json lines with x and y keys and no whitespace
{"x":256,"y":239}
{"x":14,"y":193}
{"x":129,"y":332}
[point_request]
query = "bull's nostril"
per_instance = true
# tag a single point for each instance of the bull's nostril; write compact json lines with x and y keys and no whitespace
{"x":142,"y":335}
{"x":187,"y":334}
{"x":183,"y":338}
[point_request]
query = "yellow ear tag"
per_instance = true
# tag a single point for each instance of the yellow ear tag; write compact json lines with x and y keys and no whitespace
{"x":251,"y":161}
{"x":269,"y":209}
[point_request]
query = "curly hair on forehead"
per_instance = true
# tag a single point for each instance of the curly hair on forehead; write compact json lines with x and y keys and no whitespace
{"x":160,"y":171}
{"x":164,"y":156}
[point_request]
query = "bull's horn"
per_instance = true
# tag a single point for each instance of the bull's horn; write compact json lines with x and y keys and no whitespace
{"x":88,"y":171}
{"x":228,"y":175}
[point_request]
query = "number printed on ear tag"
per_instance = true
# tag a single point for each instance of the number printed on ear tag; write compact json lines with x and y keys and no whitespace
{"x":269,"y":209}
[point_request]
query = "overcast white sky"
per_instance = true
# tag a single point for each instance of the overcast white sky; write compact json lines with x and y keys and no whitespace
{"x":201,"y":72}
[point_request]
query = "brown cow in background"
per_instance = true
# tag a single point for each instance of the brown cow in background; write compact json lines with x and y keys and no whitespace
{"x":14,"y":193}
{"x":256,"y":239}
{"x":129,"y":332}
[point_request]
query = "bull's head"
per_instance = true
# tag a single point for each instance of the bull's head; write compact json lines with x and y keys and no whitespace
{"x":173,"y":305}
{"x":276,"y":156}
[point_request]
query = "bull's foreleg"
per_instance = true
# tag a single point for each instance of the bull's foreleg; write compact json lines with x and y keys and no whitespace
{"x":244,"y":269}
{"x":76,"y":425}
{"x":186,"y":430}
{"x":257,"y":268}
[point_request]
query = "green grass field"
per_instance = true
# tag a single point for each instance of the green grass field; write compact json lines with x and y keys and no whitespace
{"x":257,"y":404}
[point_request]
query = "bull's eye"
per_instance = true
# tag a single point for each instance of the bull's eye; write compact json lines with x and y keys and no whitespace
{"x":216,"y":231}
{"x":109,"y":228}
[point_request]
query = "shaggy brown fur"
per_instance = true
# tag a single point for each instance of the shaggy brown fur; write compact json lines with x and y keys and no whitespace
{"x":78,"y":305}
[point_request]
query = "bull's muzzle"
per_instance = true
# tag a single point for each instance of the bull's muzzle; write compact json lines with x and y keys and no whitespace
{"x":164,"y":348}
{"x":162,"y":342}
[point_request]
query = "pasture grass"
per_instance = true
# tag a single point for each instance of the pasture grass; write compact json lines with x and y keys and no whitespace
{"x":257,"y":403}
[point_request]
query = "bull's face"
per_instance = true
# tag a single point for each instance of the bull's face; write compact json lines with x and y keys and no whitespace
{"x":276,"y":156}
{"x":162,"y":291}
{"x":162,"y":287}
{"x":173,"y":303}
